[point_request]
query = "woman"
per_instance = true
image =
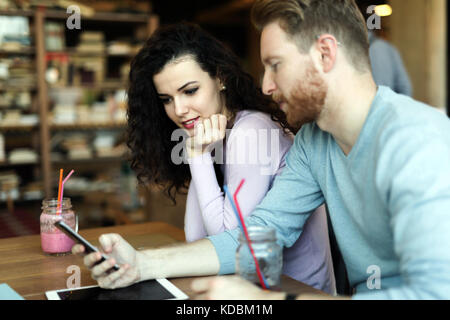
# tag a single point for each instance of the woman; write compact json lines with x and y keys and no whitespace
{"x":184,"y":79}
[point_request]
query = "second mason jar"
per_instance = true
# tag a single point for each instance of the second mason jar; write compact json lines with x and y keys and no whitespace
{"x":268,"y":253}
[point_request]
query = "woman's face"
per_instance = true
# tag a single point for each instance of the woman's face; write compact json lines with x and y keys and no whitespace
{"x":188,"y":93}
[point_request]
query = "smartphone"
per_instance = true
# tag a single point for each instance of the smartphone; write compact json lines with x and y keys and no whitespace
{"x":88,"y":247}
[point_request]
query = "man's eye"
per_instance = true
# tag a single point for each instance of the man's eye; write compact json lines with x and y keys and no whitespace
{"x":191,"y":91}
{"x":274,"y":67}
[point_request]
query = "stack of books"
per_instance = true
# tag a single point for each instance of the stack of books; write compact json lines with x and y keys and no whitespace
{"x":77,"y":147}
{"x":23,"y":155}
{"x":21,"y":72}
{"x":14,"y":33}
{"x":54,"y":36}
{"x":9,"y":186}
{"x":91,"y":42}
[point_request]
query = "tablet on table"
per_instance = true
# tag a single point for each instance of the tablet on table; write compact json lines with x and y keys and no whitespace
{"x":158,"y":289}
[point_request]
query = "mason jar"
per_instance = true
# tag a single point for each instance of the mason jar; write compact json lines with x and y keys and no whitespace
{"x":53,"y":240}
{"x":268,"y":253}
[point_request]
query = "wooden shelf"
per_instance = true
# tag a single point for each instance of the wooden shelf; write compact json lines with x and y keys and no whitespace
{"x":14,"y":164}
{"x":99,"y":16}
{"x":17,"y":87}
{"x":37,"y":52}
{"x":18,"y":128}
{"x":94,"y":160}
{"x":102,"y":16}
{"x":24,"y":51}
{"x":74,"y":52}
{"x":88,"y":126}
{"x":101,"y":86}
{"x":18,"y":13}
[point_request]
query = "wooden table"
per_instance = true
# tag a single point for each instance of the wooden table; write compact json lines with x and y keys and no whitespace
{"x":26,"y":269}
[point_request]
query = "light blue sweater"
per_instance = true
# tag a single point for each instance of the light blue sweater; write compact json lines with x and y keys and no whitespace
{"x":389,"y":200}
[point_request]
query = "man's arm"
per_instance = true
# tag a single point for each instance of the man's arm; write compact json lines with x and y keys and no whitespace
{"x":197,"y":258}
{"x":286,"y":207}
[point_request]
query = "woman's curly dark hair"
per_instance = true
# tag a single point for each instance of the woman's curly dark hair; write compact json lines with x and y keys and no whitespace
{"x":150,"y":129}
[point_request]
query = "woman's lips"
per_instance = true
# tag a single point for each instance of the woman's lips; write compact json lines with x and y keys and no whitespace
{"x":190,"y":124}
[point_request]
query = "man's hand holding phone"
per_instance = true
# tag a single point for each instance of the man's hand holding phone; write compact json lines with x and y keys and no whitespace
{"x":119,"y":251}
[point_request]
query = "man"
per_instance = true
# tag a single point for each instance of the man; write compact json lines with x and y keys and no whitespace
{"x":380,"y":160}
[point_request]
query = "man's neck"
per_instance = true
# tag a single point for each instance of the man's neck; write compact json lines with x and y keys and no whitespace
{"x":346,"y":109}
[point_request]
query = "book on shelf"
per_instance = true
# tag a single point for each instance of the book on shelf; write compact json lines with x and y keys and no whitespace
{"x":54,"y":36}
{"x":91,"y":42}
{"x":13,"y":118}
{"x":14,"y":33}
{"x":22,"y":155}
{"x":17,"y":72}
{"x":9,"y":185}
{"x":32,"y":191}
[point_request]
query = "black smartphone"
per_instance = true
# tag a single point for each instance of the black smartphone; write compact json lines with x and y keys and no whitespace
{"x":88,"y":247}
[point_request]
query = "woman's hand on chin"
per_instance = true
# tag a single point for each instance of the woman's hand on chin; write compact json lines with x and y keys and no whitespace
{"x":206,"y":132}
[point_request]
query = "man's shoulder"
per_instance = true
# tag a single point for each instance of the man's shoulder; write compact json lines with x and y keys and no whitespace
{"x":310,"y":138}
{"x":402,"y":124}
{"x":396,"y":111}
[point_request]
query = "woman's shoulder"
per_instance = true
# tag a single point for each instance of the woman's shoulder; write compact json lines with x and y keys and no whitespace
{"x":255,"y":120}
{"x":257,"y":123}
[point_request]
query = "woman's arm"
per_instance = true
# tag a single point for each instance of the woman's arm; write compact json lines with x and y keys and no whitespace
{"x":247,"y":157}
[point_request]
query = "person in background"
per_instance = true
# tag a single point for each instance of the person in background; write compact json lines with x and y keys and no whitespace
{"x":185,"y":80}
{"x":388,"y":68}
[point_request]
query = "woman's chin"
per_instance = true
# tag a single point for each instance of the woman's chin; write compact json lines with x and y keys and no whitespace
{"x":190,"y":132}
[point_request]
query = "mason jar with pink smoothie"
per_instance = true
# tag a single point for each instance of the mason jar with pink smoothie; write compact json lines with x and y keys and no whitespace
{"x":53,"y":240}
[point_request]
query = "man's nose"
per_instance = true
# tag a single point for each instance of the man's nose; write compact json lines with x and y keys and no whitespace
{"x":268,"y":85}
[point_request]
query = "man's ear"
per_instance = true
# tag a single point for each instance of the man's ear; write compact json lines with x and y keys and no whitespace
{"x":327,"y":47}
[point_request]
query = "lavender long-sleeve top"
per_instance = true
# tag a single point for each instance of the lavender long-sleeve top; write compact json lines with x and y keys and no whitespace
{"x":255,"y":150}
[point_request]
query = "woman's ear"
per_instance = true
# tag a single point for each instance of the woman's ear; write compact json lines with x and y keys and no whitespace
{"x":220,"y":85}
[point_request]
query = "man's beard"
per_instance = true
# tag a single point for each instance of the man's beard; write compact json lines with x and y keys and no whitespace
{"x":307,"y":99}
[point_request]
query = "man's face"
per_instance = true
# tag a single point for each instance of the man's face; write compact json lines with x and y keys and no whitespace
{"x":291,"y":77}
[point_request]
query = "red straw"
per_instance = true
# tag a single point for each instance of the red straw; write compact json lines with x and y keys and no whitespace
{"x":244,"y":228}
{"x":59,"y":191}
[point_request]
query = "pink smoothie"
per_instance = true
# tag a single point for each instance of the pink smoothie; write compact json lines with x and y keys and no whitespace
{"x":56,"y":242}
{"x":52,"y":239}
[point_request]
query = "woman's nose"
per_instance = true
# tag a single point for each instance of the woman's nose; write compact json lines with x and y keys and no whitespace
{"x":180,"y":107}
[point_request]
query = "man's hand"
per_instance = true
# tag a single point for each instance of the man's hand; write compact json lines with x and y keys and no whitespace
{"x":231,"y":288}
{"x":206,"y":132}
{"x":119,"y":251}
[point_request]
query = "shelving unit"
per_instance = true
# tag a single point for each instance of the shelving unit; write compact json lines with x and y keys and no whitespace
{"x":45,"y":168}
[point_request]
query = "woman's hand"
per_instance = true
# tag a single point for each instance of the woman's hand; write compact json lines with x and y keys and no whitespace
{"x":119,"y":251}
{"x":206,"y":132}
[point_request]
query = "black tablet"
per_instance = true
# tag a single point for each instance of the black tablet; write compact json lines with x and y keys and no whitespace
{"x":158,"y":289}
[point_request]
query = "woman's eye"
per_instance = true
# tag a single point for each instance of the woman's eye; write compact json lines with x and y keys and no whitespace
{"x":191,"y":91}
{"x":165,"y":100}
